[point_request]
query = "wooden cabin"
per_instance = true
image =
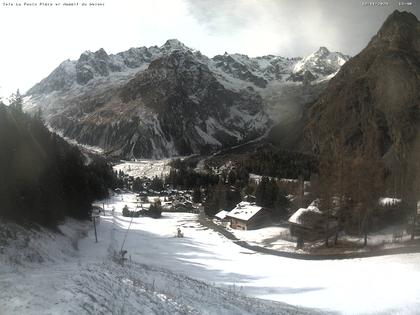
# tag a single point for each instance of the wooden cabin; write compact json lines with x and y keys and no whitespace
{"x":248,"y":216}
{"x":310,"y":224}
{"x":221,"y":216}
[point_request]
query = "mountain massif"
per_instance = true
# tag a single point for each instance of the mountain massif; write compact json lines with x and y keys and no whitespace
{"x":375,"y":95}
{"x":172,"y":100}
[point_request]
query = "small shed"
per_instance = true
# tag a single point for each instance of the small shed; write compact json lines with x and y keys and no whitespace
{"x":250,"y":198}
{"x":221,"y":216}
{"x":310,"y":223}
{"x":247,"y":216}
{"x":389,"y":202}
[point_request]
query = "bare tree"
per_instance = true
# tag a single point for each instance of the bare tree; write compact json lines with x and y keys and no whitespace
{"x":326,"y":183}
{"x":368,"y":170}
{"x":411,"y":171}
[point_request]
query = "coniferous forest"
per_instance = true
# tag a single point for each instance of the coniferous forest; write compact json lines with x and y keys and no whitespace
{"x":43,"y":178}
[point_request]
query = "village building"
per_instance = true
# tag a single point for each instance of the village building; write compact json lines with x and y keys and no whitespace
{"x":389,"y":202}
{"x":167,"y":205}
{"x":250,"y":198}
{"x":118,"y":191}
{"x":247,"y":216}
{"x":310,"y":224}
{"x":221,"y":216}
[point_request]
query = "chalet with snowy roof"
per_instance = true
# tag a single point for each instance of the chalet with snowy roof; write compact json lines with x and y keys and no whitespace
{"x":248,"y":216}
{"x":310,"y":223}
{"x":388,"y":202}
{"x":250,"y":198}
{"x":221,"y":216}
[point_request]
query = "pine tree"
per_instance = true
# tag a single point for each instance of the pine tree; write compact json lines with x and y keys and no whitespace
{"x":216,"y":199}
{"x":261,"y":192}
{"x":197,"y":195}
{"x":326,"y":184}
{"x":156,"y":184}
{"x":137,"y":185}
{"x":281,"y":204}
{"x":267,"y":193}
{"x":16,"y":101}
{"x":221,"y":197}
{"x":155,"y":210}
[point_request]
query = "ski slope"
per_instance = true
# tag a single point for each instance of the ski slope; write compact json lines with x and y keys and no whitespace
{"x":202,"y":273}
{"x":379,"y":284}
{"x":42,"y":272}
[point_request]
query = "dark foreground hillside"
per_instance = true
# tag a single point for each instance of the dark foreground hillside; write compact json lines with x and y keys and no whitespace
{"x":42,"y":178}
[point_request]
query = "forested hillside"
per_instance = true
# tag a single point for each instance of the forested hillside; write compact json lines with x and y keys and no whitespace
{"x":42,"y":178}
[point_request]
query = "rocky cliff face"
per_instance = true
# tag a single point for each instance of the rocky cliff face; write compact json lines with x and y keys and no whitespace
{"x":172,"y":100}
{"x":376,"y":94}
{"x":174,"y":107}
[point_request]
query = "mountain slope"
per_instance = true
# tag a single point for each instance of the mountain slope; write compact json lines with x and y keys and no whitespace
{"x":376,"y":94}
{"x":172,"y":100}
{"x":68,"y":273}
{"x":44,"y":178}
{"x":175,"y":106}
{"x":319,"y":64}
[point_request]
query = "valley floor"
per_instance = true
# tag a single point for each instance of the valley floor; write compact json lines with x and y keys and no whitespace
{"x":202,"y":273}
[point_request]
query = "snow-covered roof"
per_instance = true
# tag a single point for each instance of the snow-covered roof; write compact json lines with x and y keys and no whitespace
{"x":297,"y":217}
{"x":244,"y":211}
{"x":386,"y":201}
{"x":221,"y":215}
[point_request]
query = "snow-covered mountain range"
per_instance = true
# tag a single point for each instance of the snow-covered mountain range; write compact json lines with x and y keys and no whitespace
{"x":172,"y":100}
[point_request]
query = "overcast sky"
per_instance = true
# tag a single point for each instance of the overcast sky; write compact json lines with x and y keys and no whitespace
{"x":35,"y":40}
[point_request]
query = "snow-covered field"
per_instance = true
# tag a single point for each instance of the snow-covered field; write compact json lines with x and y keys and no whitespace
{"x":146,"y":168}
{"x":273,"y":237}
{"x":279,"y":238}
{"x":379,"y":284}
{"x":42,"y":272}
{"x":201,"y":273}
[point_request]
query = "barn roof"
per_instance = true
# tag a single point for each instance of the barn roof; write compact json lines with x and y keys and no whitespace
{"x":386,"y":201}
{"x":221,"y":215}
{"x":303,"y":215}
{"x":311,"y":217}
{"x":244,"y":211}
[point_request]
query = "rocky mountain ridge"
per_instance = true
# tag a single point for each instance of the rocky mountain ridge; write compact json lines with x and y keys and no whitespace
{"x":172,"y":100}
